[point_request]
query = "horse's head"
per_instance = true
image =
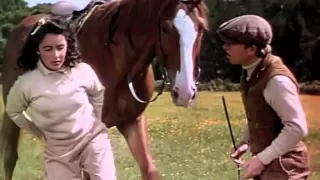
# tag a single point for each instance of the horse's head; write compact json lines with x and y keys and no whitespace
{"x":178,"y":47}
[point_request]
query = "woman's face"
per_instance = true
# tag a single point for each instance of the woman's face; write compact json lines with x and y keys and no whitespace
{"x":52,"y":51}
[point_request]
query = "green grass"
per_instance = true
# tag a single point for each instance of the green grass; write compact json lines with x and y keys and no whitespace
{"x":186,"y":143}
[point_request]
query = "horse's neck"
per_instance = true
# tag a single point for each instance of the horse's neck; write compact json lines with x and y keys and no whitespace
{"x":138,"y":56}
{"x":134,"y":49}
{"x":143,"y":15}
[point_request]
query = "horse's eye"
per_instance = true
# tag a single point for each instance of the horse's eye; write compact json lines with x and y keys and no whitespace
{"x":166,"y":27}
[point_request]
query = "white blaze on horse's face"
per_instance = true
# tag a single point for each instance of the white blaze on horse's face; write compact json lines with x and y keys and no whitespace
{"x":184,"y":87}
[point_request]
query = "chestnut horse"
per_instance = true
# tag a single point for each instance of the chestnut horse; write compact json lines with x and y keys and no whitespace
{"x":119,"y":39}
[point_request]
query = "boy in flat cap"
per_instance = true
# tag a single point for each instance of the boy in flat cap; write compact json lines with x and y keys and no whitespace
{"x":276,"y":120}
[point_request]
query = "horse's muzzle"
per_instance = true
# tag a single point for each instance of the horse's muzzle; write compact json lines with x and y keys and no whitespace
{"x":183,"y":97}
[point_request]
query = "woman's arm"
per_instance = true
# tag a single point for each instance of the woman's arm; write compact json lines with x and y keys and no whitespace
{"x":17,"y":103}
{"x":95,"y":91}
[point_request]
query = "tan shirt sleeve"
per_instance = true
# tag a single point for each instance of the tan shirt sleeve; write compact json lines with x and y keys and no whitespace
{"x":282,"y":95}
{"x":17,"y":103}
{"x":95,"y":91}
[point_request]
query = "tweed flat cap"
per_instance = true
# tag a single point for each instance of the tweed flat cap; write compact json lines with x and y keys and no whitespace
{"x":247,"y":29}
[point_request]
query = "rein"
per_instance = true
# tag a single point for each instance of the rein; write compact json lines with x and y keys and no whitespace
{"x":112,"y":30}
{"x":163,"y":73}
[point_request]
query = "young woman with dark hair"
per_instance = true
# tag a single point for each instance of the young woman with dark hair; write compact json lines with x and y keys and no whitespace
{"x":66,"y":99}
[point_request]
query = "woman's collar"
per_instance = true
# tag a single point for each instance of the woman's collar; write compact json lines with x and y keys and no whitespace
{"x":46,"y":71}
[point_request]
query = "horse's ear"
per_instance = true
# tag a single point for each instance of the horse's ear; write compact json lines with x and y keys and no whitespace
{"x":166,"y":26}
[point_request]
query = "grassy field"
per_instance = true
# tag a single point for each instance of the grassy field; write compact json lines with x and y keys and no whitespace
{"x":187,"y":144}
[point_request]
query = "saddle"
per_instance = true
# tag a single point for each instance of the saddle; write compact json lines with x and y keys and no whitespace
{"x":74,"y":16}
{"x":71,"y":13}
{"x":77,"y":13}
{"x":65,"y":8}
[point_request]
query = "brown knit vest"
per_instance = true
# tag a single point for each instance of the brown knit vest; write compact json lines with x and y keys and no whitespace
{"x":264,"y":124}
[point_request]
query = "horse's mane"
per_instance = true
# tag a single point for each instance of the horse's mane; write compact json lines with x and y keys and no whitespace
{"x":144,"y":15}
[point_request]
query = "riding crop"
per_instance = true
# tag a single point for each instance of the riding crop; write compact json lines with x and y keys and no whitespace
{"x":230,"y":129}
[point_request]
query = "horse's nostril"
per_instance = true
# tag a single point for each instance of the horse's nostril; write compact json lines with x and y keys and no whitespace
{"x":175,"y":94}
{"x":194,"y":94}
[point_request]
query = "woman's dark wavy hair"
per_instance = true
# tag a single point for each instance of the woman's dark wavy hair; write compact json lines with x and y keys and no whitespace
{"x":29,"y":57}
